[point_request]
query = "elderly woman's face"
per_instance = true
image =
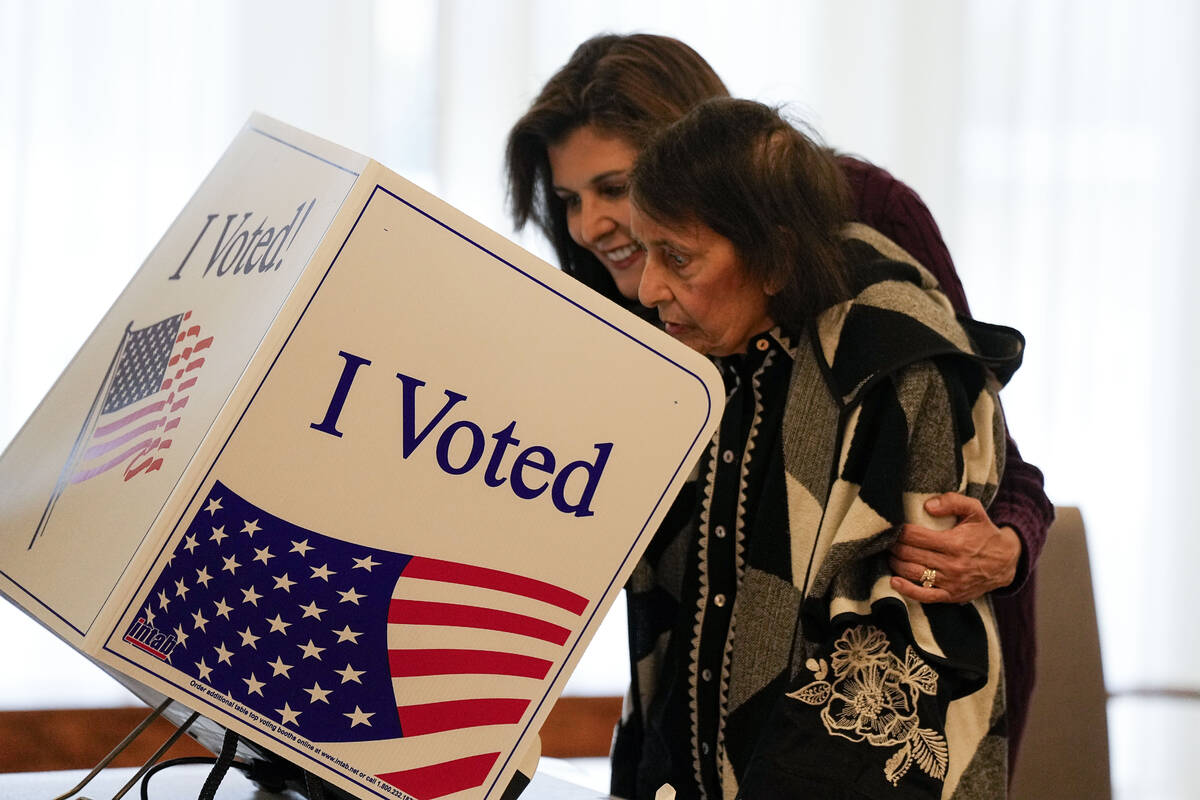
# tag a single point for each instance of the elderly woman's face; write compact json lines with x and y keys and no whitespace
{"x":590,"y":171}
{"x":704,"y":296}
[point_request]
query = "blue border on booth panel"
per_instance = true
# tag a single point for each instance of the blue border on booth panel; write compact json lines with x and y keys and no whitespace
{"x":208,"y":475}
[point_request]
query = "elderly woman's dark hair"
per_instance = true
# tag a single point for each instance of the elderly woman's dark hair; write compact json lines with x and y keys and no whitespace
{"x":628,"y":86}
{"x":741,"y":169}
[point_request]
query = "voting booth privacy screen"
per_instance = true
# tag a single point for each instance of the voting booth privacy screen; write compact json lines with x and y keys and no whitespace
{"x":349,"y":473}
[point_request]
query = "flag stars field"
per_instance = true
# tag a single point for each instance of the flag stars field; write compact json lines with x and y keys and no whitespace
{"x":203,"y":577}
{"x":317,"y":694}
{"x":214,"y":505}
{"x":253,"y":686}
{"x":198,"y":621}
{"x":351,"y":596}
{"x":283,"y":582}
{"x":365,"y":563}
{"x":180,"y":636}
{"x":349,"y":674}
{"x":312,"y":610}
{"x":278,"y":625}
{"x":163,"y":600}
{"x":231,"y":565}
{"x":218,"y":535}
{"x":311,"y":650}
{"x":190,"y":544}
{"x":279,"y":668}
{"x":323,"y":572}
{"x":223,"y":608}
{"x":251,"y":527}
{"x":264,"y":554}
{"x":250,"y":596}
{"x":286,"y":715}
{"x":300,"y":547}
{"x":249,"y":639}
{"x":181,"y":589}
{"x":347,"y":635}
{"x":223,"y":655}
{"x":359,"y":717}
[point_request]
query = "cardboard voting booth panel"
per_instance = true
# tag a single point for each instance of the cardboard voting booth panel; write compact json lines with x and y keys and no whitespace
{"x":349,"y":473}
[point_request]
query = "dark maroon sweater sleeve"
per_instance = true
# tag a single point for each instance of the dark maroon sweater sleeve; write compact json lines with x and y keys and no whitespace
{"x":895,"y":210}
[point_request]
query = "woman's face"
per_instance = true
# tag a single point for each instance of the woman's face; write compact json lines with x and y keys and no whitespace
{"x":590,"y":171}
{"x":704,"y":296}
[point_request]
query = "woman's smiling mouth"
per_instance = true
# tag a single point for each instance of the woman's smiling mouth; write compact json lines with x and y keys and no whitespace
{"x":623,"y":257}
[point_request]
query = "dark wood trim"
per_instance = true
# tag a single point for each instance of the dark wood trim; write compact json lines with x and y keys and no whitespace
{"x":580,"y":726}
{"x":36,"y":741}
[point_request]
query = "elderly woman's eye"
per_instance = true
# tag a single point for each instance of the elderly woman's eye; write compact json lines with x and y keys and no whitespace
{"x":676,"y":259}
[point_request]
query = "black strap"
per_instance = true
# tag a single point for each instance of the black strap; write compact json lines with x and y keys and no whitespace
{"x":314,"y":785}
{"x":224,"y":759}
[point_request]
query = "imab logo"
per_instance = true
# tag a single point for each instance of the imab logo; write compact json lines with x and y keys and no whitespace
{"x":149,"y":638}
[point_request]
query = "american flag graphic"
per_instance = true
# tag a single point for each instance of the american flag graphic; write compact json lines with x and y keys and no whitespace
{"x":341,"y":643}
{"x":155,"y":369}
{"x":138,"y":405}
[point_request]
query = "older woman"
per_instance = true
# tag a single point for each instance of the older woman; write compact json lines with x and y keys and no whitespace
{"x":569,"y":159}
{"x":774,"y":656}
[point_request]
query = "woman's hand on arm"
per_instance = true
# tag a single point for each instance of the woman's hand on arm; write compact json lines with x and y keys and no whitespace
{"x":972,"y":558}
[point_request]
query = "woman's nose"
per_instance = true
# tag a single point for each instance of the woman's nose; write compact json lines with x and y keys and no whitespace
{"x":653,"y":289}
{"x":594,"y":221}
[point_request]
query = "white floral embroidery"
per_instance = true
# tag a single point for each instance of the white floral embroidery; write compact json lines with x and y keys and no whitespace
{"x":858,"y":648}
{"x":873,"y":699}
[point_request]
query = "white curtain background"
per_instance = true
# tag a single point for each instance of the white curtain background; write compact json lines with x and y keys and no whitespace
{"x":1055,"y":142}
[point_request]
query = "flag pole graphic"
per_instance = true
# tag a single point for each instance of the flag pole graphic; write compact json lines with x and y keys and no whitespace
{"x":83,"y":437}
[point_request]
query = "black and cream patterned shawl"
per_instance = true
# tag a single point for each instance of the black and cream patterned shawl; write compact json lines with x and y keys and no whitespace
{"x":837,"y":686}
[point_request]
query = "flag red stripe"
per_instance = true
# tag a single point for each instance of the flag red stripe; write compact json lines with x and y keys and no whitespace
{"x":420,"y":612}
{"x":414,"y":663}
{"x":419,"y":720}
{"x":105,"y":430}
{"x":439,"y":780}
{"x":85,"y":474}
{"x":98,"y":450}
{"x":188,"y":351}
{"x":435,"y":569}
